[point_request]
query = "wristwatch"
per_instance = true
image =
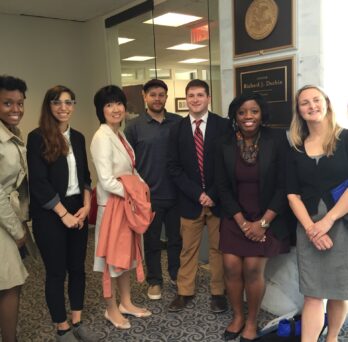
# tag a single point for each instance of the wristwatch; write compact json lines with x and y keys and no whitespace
{"x":264,"y":224}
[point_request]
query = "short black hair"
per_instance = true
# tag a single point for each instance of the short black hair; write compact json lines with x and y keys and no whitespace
{"x":197,"y":83}
{"x":238,"y":101}
{"x":108,"y":94}
{"x":154,"y":83}
{"x":11,"y":83}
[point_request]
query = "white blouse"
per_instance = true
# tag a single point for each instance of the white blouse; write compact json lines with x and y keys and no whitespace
{"x":73,"y":184}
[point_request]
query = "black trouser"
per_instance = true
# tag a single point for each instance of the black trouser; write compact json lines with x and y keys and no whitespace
{"x":167,"y":212}
{"x":63,"y":250}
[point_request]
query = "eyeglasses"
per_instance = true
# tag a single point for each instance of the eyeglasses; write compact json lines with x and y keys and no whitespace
{"x":58,"y":103}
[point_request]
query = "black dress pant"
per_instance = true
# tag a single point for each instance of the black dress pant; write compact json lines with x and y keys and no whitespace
{"x":63,"y":251}
{"x":167,"y":212}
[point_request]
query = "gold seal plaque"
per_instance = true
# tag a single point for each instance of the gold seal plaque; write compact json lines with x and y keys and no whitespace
{"x":261,"y":18}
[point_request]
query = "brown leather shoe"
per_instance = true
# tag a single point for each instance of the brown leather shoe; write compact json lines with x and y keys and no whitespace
{"x":179,"y":303}
{"x":218,"y":303}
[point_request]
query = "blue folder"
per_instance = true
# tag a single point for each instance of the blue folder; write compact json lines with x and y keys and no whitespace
{"x":339,"y":190}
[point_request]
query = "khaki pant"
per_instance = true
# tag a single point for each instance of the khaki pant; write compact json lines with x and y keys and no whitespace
{"x":191,"y":232}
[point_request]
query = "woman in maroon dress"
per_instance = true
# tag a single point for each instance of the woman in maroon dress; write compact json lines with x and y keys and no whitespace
{"x":251,"y":185}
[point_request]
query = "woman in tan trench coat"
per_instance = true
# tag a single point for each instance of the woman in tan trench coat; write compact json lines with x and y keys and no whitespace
{"x":13,"y":203}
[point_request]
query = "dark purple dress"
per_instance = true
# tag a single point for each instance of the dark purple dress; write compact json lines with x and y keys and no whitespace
{"x":232,"y":239}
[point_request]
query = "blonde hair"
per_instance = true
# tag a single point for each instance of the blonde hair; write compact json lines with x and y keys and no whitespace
{"x":299,"y":130}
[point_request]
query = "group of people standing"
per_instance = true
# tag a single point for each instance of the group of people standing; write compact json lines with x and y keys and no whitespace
{"x":236,"y":176}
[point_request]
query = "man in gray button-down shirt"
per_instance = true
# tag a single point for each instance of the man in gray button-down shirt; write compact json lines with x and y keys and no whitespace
{"x":149,"y":134}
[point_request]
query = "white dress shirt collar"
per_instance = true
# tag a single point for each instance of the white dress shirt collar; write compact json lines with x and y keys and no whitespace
{"x":203,"y":124}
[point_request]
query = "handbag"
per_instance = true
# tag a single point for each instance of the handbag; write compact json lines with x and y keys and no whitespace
{"x":289,"y":330}
{"x":92,"y":216}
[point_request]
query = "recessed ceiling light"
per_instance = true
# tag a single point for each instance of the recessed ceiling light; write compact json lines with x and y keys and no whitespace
{"x":172,"y":19}
{"x":138,"y":58}
{"x":127,"y":75}
{"x":122,"y":40}
{"x":193,"y":60}
{"x":185,"y":47}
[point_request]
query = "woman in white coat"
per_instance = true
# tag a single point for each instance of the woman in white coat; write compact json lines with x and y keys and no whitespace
{"x":113,"y":157}
{"x":13,"y":203}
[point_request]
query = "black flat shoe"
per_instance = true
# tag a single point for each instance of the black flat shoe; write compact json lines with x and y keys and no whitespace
{"x":231,"y":335}
{"x":244,"y":339}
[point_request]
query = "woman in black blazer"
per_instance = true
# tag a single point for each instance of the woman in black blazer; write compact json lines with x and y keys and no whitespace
{"x":251,"y":186}
{"x":59,"y":203}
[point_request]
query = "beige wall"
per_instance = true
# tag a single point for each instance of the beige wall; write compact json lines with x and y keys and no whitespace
{"x":47,"y":52}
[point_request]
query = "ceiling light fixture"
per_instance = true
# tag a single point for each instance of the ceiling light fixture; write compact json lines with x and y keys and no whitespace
{"x":172,"y":19}
{"x":138,"y":58}
{"x":186,"y":47}
{"x":123,"y":40}
{"x":193,"y":60}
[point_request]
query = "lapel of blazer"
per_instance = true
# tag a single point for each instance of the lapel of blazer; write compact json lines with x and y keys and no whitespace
{"x":265,"y":153}
{"x":188,"y":134}
{"x":209,"y":130}
{"x":116,"y":142}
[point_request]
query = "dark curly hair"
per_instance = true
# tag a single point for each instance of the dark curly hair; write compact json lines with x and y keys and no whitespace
{"x":238,"y":101}
{"x":10,"y":83}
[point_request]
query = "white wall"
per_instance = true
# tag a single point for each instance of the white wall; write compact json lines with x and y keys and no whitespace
{"x":309,"y":47}
{"x":335,"y":52}
{"x":226,"y":53}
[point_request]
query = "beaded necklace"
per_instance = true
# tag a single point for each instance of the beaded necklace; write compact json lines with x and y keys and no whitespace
{"x":248,"y":153}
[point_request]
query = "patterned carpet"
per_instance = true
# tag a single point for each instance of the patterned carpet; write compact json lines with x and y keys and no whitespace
{"x":196,"y":323}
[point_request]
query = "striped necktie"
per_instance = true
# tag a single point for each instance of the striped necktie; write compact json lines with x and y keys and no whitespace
{"x":198,"y":138}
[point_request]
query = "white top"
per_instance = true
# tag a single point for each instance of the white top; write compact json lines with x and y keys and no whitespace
{"x":203,"y":124}
{"x":73,"y":184}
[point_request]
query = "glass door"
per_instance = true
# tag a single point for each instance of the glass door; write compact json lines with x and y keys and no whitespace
{"x":176,"y":41}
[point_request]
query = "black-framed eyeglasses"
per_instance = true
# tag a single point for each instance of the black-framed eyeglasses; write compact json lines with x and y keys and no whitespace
{"x":58,"y":103}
